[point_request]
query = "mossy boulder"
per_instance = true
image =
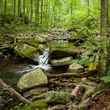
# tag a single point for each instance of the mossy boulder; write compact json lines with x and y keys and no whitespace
{"x":58,"y":97}
{"x":64,"y":49}
{"x":31,"y":79}
{"x":25,"y":50}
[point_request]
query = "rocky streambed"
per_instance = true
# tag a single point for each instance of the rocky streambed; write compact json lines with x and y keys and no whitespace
{"x":53,"y":74}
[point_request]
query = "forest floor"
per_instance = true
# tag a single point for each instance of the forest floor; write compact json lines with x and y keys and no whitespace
{"x":73,"y":83}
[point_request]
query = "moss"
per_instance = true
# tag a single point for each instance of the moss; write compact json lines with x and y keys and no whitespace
{"x":58,"y":97}
{"x":40,"y":104}
{"x":35,"y":105}
{"x":61,"y":45}
{"x":25,"y":50}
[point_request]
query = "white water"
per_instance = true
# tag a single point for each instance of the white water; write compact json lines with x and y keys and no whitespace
{"x":42,"y":62}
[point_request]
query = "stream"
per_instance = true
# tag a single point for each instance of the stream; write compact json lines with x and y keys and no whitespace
{"x":43,"y":61}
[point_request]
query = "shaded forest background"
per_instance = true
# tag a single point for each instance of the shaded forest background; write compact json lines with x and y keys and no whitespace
{"x":50,"y":13}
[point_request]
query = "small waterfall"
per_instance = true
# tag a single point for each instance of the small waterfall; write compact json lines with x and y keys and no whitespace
{"x":42,"y":62}
{"x":44,"y":58}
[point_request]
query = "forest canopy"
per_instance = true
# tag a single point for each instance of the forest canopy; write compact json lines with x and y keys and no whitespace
{"x":51,"y":13}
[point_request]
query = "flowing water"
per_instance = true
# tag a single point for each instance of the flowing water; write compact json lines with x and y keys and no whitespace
{"x":43,"y":61}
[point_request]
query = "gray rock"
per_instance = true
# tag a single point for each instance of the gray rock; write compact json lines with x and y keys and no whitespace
{"x":31,"y":79}
{"x":62,"y":61}
{"x":76,"y":68}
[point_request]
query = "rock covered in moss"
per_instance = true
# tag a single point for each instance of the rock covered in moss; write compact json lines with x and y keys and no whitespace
{"x":25,"y":50}
{"x":58,"y":97}
{"x":31,"y":79}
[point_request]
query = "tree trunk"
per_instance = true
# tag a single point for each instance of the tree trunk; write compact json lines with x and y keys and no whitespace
{"x":19,"y":7}
{"x":23,"y":7}
{"x":37,"y":3}
{"x":31,"y":7}
{"x":5,"y":7}
{"x":104,"y":32}
{"x":41,"y":17}
{"x":104,"y":17}
{"x":88,"y":3}
{"x":14,"y":7}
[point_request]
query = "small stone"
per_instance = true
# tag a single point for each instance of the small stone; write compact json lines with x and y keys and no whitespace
{"x":76,"y":68}
{"x":78,"y":91}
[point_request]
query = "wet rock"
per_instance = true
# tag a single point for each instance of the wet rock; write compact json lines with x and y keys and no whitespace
{"x":62,"y":61}
{"x":25,"y":50}
{"x":31,"y":79}
{"x":58,"y":97}
{"x":76,"y":68}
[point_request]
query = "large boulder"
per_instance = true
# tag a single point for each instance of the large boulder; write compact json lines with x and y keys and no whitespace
{"x":76,"y":68}
{"x":25,"y":50}
{"x":31,"y":79}
{"x":62,"y":61}
{"x":64,"y":49}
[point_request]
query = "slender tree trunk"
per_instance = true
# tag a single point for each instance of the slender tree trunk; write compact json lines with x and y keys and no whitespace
{"x":88,"y":3}
{"x":1,"y":7}
{"x":31,"y":16}
{"x":104,"y":17}
{"x":14,"y":7}
{"x":46,"y":13}
{"x":37,"y":11}
{"x":41,"y":17}
{"x":104,"y":32}
{"x":71,"y":7}
{"x":19,"y":7}
{"x":5,"y":7}
{"x":23,"y":7}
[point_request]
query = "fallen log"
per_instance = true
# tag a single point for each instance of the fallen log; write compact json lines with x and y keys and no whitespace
{"x":13,"y":92}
